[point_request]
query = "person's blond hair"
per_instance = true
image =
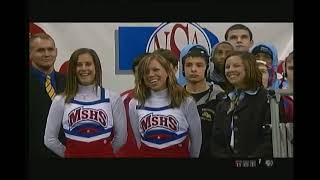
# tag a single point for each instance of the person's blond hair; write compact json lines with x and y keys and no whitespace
{"x":176,"y":93}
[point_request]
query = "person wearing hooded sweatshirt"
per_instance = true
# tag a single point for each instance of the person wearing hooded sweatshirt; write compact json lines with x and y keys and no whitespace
{"x":218,"y":55}
{"x":195,"y":61}
{"x":263,"y":67}
{"x":286,"y":102}
{"x":268,"y":53}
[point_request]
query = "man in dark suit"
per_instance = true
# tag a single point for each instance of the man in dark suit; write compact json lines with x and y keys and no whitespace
{"x":44,"y":84}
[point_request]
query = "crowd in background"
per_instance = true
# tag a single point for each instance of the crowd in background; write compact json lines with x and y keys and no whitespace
{"x":221,"y":111}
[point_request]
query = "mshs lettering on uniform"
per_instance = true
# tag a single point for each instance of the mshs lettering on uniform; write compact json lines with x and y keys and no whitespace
{"x":94,"y":123}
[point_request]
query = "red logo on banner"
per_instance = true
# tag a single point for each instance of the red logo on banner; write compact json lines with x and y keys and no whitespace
{"x":64,"y":68}
{"x":34,"y":29}
{"x":174,"y":36}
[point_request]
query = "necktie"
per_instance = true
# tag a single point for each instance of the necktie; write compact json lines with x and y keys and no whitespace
{"x":50,"y":90}
{"x":234,"y":103}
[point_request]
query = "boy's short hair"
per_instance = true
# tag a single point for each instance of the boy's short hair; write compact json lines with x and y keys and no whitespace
{"x":235,"y":27}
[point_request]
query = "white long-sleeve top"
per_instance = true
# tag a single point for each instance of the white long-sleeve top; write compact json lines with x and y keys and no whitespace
{"x":186,"y":115}
{"x":85,"y":94}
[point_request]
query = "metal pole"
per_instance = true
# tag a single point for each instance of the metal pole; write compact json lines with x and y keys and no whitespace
{"x":289,"y":127}
{"x":283,"y":140}
{"x":279,"y":135}
{"x":274,"y":108}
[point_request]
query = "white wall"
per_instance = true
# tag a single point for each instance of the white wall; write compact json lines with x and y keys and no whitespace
{"x":100,"y":37}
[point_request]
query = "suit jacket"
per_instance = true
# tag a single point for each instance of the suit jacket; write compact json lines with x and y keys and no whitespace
{"x":39,"y":105}
{"x":252,"y":133}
